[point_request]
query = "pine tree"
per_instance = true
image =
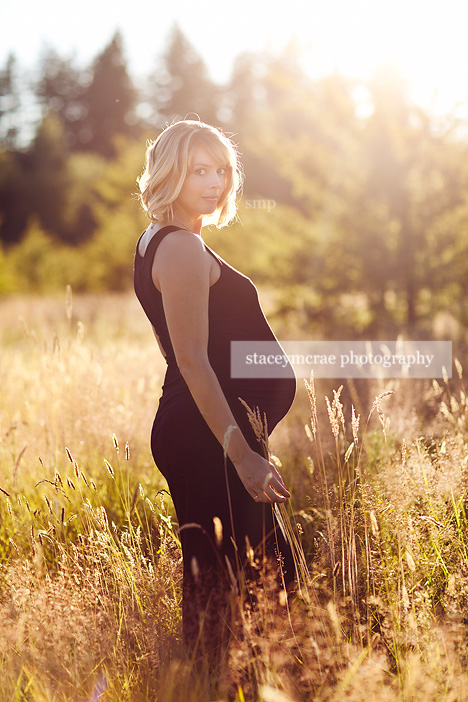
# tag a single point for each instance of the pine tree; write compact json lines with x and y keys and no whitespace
{"x":9,"y":103}
{"x":182,"y":87}
{"x":110,"y":101}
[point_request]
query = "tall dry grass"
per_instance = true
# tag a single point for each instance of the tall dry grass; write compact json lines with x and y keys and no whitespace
{"x":90,"y":568}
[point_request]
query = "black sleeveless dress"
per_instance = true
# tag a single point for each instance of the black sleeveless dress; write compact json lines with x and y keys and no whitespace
{"x":202,"y":483}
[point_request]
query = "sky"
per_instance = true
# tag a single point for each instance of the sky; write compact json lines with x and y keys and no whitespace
{"x":424,"y":39}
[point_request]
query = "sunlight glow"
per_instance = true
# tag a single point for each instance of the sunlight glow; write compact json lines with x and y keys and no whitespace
{"x":425,"y":40}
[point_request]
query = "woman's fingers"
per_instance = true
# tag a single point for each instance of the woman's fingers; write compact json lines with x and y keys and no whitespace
{"x":262,"y":480}
{"x":277,"y":474}
{"x":272,"y":490}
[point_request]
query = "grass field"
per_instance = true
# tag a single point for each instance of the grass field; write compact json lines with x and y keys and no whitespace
{"x":90,"y":568}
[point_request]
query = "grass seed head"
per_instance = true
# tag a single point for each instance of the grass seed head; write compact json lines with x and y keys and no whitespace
{"x":355,"y":418}
{"x":374,"y":523}
{"x":335,"y":412}
{"x":218,"y":529}
{"x":377,"y":406}
{"x":310,"y":386}
{"x":410,"y":560}
{"x":109,"y":468}
{"x":14,"y":545}
{"x":115,"y":442}
{"x":48,"y":504}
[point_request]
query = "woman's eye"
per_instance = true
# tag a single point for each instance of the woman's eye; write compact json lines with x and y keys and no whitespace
{"x":200,"y":171}
{"x":221,"y":171}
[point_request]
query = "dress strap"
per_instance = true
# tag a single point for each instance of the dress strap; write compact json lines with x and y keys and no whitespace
{"x":157,"y":237}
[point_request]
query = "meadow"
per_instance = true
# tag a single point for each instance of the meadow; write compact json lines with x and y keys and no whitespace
{"x":90,"y":565}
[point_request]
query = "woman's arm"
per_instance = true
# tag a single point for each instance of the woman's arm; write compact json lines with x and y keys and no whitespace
{"x":181,"y":271}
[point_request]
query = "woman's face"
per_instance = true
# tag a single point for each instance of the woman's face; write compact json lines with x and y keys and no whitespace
{"x":203,"y":186}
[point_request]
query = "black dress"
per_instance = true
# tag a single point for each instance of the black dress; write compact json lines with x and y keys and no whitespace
{"x":202,"y":483}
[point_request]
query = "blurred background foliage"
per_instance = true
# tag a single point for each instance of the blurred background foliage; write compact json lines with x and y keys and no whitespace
{"x":355,"y":207}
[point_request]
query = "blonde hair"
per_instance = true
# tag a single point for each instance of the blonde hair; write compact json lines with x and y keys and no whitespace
{"x":167,"y":161}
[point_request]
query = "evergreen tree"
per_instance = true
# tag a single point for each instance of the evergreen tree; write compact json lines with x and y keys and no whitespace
{"x":243,"y":94}
{"x":61,"y":89}
{"x":110,"y":102}
{"x":9,"y":103}
{"x":182,"y":87}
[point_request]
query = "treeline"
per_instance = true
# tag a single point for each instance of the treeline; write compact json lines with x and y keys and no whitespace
{"x":355,"y":203}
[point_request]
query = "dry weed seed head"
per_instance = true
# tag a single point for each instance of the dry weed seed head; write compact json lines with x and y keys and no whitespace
{"x":115,"y":442}
{"x":249,"y":552}
{"x":349,"y":451}
{"x":102,"y":517}
{"x":459,"y":368}
{"x":259,"y":426}
{"x":218,"y":529}
{"x":109,"y":468}
{"x":310,"y":386}
{"x":335,"y":412}
{"x":127,"y":451}
{"x":410,"y":560}
{"x":14,"y":545}
{"x":48,"y":503}
{"x":69,"y":456}
{"x":377,"y":406}
{"x":374,"y":523}
{"x":355,"y":425}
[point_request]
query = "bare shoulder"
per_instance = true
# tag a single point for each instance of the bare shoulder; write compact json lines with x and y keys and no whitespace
{"x":180,"y":253}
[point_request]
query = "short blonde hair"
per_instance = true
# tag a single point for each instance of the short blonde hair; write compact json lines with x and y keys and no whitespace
{"x":168,"y":159}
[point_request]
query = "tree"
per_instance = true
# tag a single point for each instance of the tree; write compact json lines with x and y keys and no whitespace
{"x":182,"y":87}
{"x":61,"y":89}
{"x":9,"y":103}
{"x":110,"y":101}
{"x":243,"y":94}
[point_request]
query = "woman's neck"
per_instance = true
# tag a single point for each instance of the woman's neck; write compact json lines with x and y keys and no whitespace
{"x":183,"y":219}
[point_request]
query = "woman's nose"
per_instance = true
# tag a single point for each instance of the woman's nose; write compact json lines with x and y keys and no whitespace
{"x":217,"y":180}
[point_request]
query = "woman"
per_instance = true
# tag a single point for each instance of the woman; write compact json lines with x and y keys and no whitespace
{"x":197,"y":305}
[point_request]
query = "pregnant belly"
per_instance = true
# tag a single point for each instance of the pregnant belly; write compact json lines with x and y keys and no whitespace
{"x":273,"y":397}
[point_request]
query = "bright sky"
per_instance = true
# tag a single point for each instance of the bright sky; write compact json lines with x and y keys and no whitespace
{"x":426,"y":39}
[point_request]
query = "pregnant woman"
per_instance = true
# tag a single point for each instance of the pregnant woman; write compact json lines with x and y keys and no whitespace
{"x":202,"y":441}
